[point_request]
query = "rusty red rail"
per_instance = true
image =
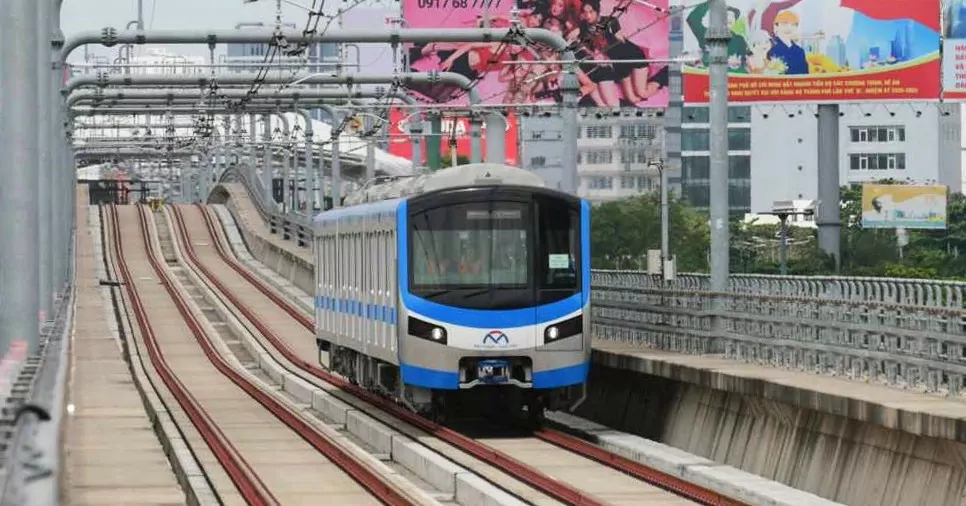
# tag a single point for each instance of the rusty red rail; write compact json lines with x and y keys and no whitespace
{"x":247,"y":482}
{"x":533,"y":477}
{"x":636,"y":469}
{"x":372,"y":482}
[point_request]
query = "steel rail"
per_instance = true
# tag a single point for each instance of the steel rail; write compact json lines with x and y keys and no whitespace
{"x":560,"y":439}
{"x":377,"y":485}
{"x":633,"y":468}
{"x":249,"y":485}
{"x":525,"y":473}
{"x":380,"y":488}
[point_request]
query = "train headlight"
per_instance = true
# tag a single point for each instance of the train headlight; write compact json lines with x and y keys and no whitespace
{"x":562,"y":330}
{"x":426,"y":330}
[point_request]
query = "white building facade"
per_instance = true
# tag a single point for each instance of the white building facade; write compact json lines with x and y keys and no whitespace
{"x":620,"y":153}
{"x":916,"y":143}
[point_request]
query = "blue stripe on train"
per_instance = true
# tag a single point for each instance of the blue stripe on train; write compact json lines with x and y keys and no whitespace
{"x":446,"y":380}
{"x":375,"y":312}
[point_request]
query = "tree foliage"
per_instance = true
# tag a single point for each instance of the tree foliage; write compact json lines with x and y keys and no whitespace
{"x":623,"y":231}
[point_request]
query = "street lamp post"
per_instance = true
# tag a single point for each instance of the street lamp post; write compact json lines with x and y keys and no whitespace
{"x":784,"y":209}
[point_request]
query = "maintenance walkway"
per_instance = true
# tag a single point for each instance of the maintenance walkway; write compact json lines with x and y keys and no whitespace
{"x":111,"y":453}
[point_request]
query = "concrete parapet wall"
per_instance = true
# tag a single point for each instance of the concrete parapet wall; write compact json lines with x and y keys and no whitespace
{"x":876,"y":450}
{"x":839,"y":458}
{"x":264,"y":245}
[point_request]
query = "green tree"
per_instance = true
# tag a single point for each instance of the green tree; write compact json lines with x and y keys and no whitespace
{"x":622,"y":231}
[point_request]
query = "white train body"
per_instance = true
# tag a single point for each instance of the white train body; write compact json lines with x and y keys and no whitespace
{"x":462,"y":282}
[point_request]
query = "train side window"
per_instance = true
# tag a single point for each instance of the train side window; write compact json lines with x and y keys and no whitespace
{"x":355,"y":259}
{"x":367,"y":258}
{"x":377,"y":246}
{"x":558,"y":254}
{"x":392,"y":254}
{"x":386,"y":260}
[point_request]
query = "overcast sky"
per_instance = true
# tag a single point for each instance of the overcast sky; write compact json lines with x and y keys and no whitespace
{"x":80,"y":15}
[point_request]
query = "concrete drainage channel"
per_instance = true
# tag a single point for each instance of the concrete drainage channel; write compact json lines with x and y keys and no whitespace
{"x":732,"y":482}
{"x":444,"y":480}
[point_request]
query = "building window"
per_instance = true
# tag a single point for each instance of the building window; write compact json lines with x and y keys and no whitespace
{"x":739,"y":114}
{"x":639,"y":131}
{"x":696,"y":115}
{"x":695,"y":167}
{"x":633,"y":157}
{"x":739,"y":139}
{"x":601,"y":156}
{"x":600,"y":183}
{"x":736,"y":114}
{"x":600,"y":132}
{"x":739,"y":167}
{"x":538,"y":161}
{"x":878,"y":133}
{"x":877,"y":161}
{"x":695,"y":140}
{"x":675,"y":23}
{"x":635,"y":183}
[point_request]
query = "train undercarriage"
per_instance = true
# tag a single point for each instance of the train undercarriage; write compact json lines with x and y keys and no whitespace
{"x":504,"y":404}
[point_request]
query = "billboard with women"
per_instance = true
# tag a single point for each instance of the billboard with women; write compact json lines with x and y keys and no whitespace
{"x":820,"y":50}
{"x":623,"y":43}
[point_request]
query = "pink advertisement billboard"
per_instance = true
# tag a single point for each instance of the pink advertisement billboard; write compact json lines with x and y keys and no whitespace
{"x":622,"y":44}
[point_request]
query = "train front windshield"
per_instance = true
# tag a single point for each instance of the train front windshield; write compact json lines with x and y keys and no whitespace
{"x":496,"y":254}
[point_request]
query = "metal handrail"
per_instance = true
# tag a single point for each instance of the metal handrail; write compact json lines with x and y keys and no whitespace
{"x":909,"y":333}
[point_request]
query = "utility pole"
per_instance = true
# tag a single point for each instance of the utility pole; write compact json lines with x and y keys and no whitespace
{"x":717,"y":37}
{"x":828,"y":215}
{"x":19,"y":220}
{"x":665,"y":222}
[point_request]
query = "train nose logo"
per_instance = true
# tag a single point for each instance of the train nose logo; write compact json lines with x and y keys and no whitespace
{"x":496,"y":337}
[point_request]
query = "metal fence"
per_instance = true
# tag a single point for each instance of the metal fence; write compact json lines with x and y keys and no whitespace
{"x":903,"y":332}
{"x":909,"y":333}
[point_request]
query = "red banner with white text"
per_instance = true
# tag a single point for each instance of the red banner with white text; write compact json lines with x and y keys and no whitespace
{"x":400,"y":143}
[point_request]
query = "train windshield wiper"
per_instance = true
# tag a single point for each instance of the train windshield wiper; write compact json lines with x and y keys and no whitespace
{"x":475,"y":293}
{"x":437,"y":293}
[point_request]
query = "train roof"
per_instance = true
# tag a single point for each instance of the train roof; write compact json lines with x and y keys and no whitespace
{"x":473,"y":174}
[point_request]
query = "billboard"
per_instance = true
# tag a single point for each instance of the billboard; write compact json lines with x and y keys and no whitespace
{"x":401,"y":145}
{"x":954,"y":49}
{"x":820,"y":50}
{"x":904,"y":206}
{"x":612,"y":36}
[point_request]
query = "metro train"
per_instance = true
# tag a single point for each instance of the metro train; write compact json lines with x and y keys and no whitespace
{"x":463,"y":289}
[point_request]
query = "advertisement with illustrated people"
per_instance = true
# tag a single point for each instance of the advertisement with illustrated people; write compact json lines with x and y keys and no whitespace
{"x":820,"y":50}
{"x":954,"y":49}
{"x":615,"y":39}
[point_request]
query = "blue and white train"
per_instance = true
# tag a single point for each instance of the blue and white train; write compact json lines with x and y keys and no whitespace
{"x":466,"y":286}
